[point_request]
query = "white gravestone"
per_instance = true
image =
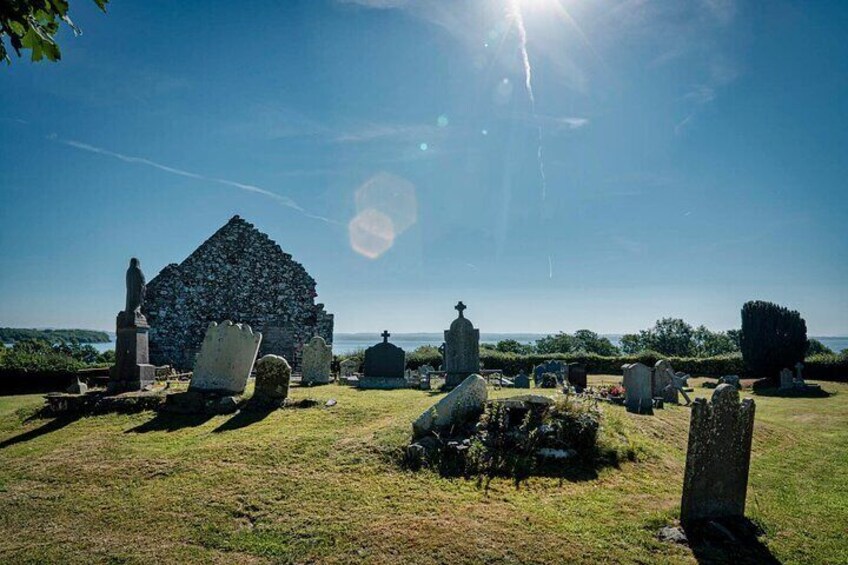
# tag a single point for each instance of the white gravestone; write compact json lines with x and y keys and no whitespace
{"x":315,"y":361}
{"x":226,"y":358}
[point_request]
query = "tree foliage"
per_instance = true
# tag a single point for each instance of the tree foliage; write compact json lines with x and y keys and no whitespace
{"x":33,"y":25}
{"x":674,"y":337}
{"x":773,"y":337}
{"x":33,"y":355}
{"x":815,"y":347}
{"x":581,"y":341}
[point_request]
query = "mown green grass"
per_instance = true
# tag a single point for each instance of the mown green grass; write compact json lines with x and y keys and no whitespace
{"x":324,"y":485}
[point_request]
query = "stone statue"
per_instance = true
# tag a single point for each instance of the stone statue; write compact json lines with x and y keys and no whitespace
{"x":136,"y":287}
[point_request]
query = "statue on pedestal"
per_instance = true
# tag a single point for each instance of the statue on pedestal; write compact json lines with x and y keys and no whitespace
{"x":132,"y":370}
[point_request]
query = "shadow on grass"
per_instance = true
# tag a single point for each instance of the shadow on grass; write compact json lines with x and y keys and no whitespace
{"x":767,"y":387}
{"x":244,"y":418}
{"x":46,"y":428}
{"x":730,"y":540}
{"x":167,"y":422}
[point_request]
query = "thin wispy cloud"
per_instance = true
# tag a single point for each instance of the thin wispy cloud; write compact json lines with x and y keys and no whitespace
{"x":284,"y":200}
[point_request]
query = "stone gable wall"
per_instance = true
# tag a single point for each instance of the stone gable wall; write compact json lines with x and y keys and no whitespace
{"x":238,"y":274}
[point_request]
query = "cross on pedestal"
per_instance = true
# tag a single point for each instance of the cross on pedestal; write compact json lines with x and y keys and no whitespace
{"x":460,"y":307}
{"x":385,"y":335}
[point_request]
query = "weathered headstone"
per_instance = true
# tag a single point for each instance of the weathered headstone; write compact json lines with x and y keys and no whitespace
{"x":718,"y":457}
{"x":316,"y":361}
{"x":730,"y":380}
{"x":663,"y":382}
{"x":226,"y":358}
{"x":577,"y":376}
{"x":463,"y":402}
{"x":638,"y":395}
{"x":786,"y":379}
{"x":521,"y":380}
{"x":462,"y":349}
{"x":558,"y":368}
{"x":132,"y":370}
{"x":348,"y":367}
{"x":384,"y":366}
{"x":273,"y":374}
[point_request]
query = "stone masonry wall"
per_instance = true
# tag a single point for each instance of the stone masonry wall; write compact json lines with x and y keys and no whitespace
{"x":238,"y":274}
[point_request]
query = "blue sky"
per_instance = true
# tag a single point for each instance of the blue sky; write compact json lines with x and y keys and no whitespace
{"x":693,"y":156}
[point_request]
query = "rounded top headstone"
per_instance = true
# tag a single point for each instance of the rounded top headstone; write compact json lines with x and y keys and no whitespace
{"x":725,"y":394}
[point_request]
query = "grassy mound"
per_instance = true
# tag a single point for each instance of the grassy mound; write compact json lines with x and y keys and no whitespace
{"x":324,"y":485}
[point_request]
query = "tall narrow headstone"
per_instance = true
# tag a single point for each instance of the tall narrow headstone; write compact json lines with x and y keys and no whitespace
{"x":462,"y":349}
{"x":715,"y":482}
{"x":132,"y":370}
{"x":638,"y":391}
{"x":316,"y":361}
{"x":384,"y":366}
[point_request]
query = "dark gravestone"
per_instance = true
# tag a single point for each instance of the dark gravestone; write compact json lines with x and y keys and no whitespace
{"x":462,"y":349}
{"x":383,"y":366}
{"x":132,"y":370}
{"x":559,"y":368}
{"x":521,"y":380}
{"x":577,"y":375}
{"x":718,"y":458}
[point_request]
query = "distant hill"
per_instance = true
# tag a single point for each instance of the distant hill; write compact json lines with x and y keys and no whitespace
{"x":10,"y":335}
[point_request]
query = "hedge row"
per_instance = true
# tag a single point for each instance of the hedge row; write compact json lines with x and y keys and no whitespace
{"x":817,"y":367}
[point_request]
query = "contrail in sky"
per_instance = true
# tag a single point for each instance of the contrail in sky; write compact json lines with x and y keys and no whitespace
{"x":284,"y":200}
{"x":514,"y":12}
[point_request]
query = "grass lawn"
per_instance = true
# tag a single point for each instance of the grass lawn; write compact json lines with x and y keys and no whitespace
{"x":324,"y":485}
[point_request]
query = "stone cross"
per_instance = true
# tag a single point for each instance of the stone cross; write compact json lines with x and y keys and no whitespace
{"x":385,"y":335}
{"x":460,"y":307}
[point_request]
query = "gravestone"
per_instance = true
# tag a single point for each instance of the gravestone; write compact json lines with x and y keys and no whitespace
{"x":521,"y":380}
{"x":132,"y":370}
{"x":799,"y":378}
{"x":547,"y":380}
{"x":226,"y":358}
{"x":637,"y":383}
{"x":462,"y":349}
{"x":316,"y":361}
{"x":786,"y":379}
{"x":273,"y":374}
{"x":462,"y":403}
{"x":577,"y":376}
{"x":730,"y":380}
{"x":558,"y":368}
{"x":384,"y":366}
{"x":348,"y":368}
{"x":715,"y":481}
{"x":663,"y":382}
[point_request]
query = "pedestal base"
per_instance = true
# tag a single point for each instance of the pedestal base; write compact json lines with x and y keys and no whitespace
{"x":132,"y":371}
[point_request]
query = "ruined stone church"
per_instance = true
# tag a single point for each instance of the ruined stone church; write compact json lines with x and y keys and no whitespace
{"x":238,"y":274}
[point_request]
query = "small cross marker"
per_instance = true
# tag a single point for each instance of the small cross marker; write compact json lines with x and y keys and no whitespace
{"x":385,"y":335}
{"x":460,"y":307}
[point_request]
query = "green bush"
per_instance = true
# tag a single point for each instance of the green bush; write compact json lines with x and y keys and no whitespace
{"x":773,"y":337}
